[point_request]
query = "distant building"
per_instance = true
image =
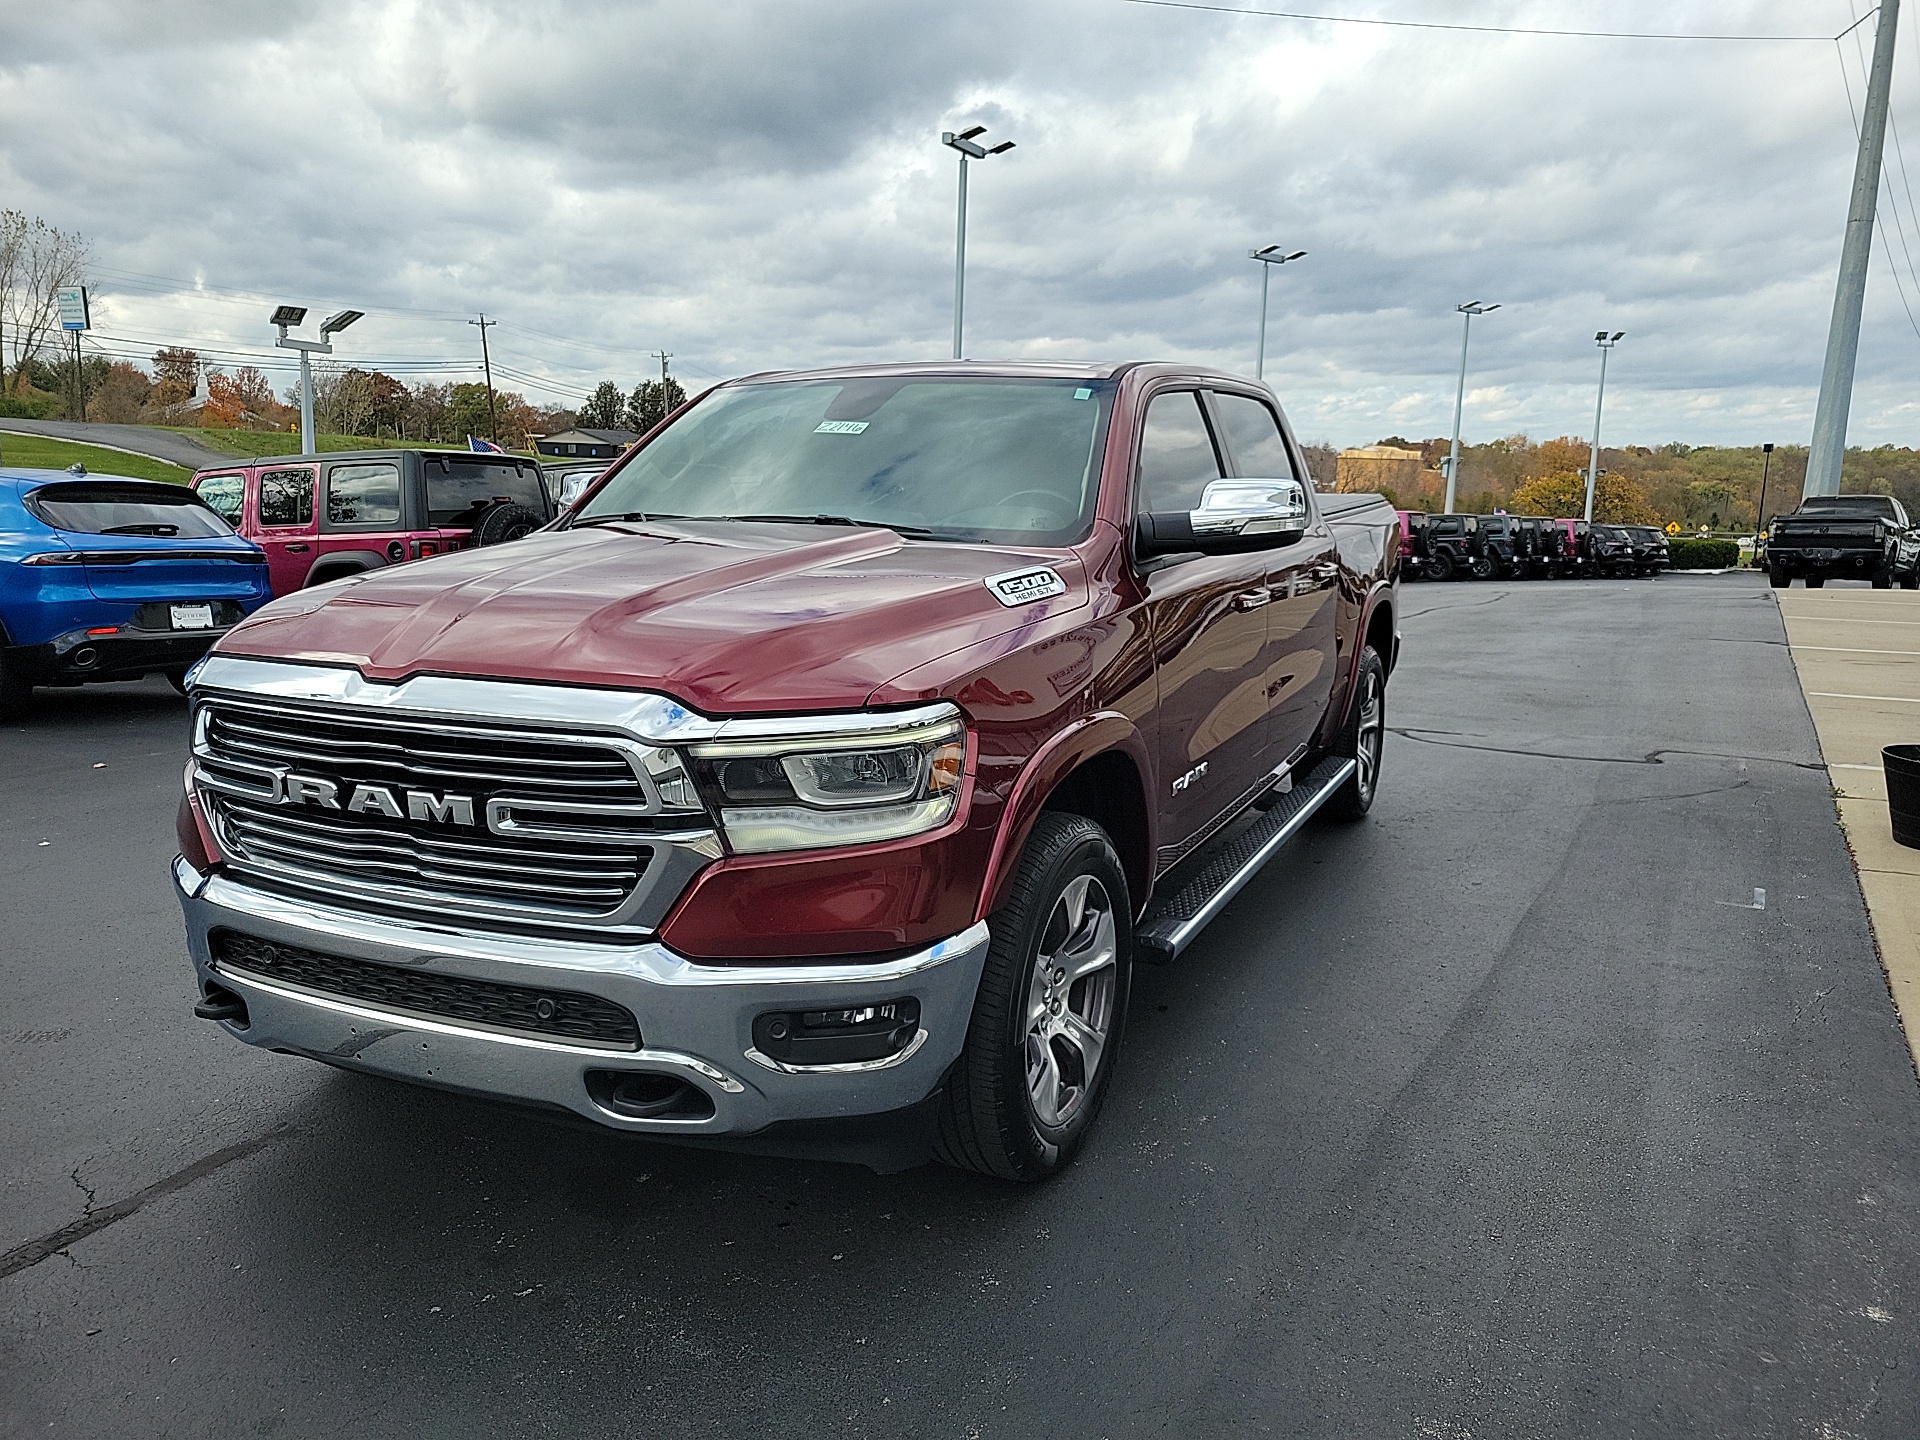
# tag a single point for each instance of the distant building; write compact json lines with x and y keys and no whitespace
{"x":1368,"y":468}
{"x":592,"y":444}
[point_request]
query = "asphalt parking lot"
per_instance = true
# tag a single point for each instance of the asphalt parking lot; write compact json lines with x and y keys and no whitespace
{"x":1513,"y":1111}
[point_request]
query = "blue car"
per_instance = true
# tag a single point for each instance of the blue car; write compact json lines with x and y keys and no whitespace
{"x":108,"y":578}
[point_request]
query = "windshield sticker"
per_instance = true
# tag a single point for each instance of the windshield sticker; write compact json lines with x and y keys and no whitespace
{"x":1023,"y":587}
{"x":1083,"y":393}
{"x":840,"y":427}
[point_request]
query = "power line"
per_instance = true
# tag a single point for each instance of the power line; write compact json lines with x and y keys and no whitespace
{"x":1469,"y":29}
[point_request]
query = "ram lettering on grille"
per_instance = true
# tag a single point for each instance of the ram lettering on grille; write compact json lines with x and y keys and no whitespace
{"x":448,"y":809}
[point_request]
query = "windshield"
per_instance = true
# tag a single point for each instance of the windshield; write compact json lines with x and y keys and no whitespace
{"x":126,"y":508}
{"x":457,"y":488}
{"x":1013,"y":461}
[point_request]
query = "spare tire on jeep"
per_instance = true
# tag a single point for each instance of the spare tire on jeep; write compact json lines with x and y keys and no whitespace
{"x":500,"y":523}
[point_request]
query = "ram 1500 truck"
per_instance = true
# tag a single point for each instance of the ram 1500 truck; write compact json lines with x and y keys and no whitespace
{"x":815,"y":782}
{"x":1849,"y":537}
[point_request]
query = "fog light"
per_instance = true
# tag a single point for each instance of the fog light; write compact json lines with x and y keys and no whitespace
{"x":845,"y":1036}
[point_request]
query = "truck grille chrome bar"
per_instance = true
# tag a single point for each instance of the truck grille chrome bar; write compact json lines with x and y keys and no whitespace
{"x":477,"y":821}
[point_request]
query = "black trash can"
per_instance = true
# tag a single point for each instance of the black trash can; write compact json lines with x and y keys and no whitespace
{"x":1902,"y":764}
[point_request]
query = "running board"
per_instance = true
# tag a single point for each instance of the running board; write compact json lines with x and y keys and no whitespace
{"x":1172,"y":922}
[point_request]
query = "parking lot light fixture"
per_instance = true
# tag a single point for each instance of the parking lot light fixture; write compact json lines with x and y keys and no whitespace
{"x":1268,"y":257}
{"x":967,"y":145}
{"x":1467,"y":312}
{"x":1606,"y":342}
{"x":288,"y":315}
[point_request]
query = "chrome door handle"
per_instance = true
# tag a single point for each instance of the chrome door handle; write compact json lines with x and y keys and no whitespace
{"x":1252,"y":599}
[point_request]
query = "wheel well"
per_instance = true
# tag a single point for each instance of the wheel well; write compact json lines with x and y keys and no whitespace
{"x":1380,"y":634}
{"x":1106,"y":789}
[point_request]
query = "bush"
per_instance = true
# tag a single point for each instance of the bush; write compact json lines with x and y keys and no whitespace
{"x":31,"y":405}
{"x":1690,"y":554}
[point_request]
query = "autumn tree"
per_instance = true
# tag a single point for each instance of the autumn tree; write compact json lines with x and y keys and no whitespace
{"x":1616,"y":500}
{"x":604,"y":407}
{"x":121,"y":394}
{"x":176,"y":375}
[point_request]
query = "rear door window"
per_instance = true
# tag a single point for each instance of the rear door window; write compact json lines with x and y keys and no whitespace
{"x":1177,"y":455}
{"x":364,"y":496}
{"x":1253,"y":435}
{"x":458,"y":489}
{"x":105,"y":508}
{"x":286,"y":498}
{"x":224,"y":495}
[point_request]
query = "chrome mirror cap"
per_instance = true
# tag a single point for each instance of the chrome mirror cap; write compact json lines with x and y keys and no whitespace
{"x":1250,"y":507}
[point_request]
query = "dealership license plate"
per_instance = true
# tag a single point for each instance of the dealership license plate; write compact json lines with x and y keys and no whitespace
{"x":192,"y":617}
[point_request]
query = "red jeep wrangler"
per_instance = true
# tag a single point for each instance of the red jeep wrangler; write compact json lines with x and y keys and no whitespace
{"x":324,"y":517}
{"x":818,"y":779}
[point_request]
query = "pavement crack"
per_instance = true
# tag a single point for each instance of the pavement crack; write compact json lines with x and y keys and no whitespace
{"x":1425,"y":736}
{"x":1465,"y":605}
{"x":93,"y":1220}
{"x":86,"y":1210}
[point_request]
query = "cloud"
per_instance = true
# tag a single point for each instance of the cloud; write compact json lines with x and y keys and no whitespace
{"x":752,"y":185}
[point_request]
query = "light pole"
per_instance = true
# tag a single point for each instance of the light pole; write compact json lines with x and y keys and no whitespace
{"x":1606,"y":343}
{"x":1467,"y":312}
{"x":287,"y":315}
{"x":1268,"y":259}
{"x":968,"y":149}
{"x":1760,"y":512}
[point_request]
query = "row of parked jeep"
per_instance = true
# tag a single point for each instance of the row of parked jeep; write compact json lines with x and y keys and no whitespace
{"x":1525,"y":547}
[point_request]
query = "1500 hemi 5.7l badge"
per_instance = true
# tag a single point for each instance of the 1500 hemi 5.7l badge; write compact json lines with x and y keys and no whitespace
{"x":1022,"y":587}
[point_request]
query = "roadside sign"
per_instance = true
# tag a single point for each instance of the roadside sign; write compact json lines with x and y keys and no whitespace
{"x":1673,"y":527}
{"x":72,"y":303}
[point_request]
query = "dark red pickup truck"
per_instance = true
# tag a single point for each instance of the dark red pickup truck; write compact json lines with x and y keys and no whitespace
{"x":817,"y":780}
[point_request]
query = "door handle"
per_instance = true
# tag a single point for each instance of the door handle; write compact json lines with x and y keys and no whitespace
{"x":298,"y":549}
{"x":1252,"y":599}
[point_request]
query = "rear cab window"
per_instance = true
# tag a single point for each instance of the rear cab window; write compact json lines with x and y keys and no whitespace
{"x":458,"y":489}
{"x":96,"y":507}
{"x":1253,"y":435}
{"x":363,"y":495}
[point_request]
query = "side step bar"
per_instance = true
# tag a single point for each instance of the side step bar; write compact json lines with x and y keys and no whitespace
{"x":1172,"y":922}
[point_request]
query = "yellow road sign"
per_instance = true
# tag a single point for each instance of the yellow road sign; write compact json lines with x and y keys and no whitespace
{"x":1673,"y":527}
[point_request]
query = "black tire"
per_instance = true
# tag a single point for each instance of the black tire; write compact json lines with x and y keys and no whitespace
{"x":1440,"y":566}
{"x":502,"y":523}
{"x":1363,"y":737}
{"x":1482,"y":567}
{"x":1779,"y":579}
{"x":1910,"y":581}
{"x":1816,"y":582}
{"x":1883,"y":578}
{"x":177,"y":679}
{"x":1019,"y":1036}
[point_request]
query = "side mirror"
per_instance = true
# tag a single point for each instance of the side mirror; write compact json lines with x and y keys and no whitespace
{"x":1234,"y":516}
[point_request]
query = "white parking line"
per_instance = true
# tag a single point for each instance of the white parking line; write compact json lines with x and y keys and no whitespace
{"x":1835,"y":695}
{"x":1852,"y":650}
{"x":1842,"y":620}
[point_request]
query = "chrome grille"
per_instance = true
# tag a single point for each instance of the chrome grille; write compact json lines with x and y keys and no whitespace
{"x":554,"y":828}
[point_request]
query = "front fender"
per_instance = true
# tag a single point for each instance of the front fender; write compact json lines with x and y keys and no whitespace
{"x":1091,"y":735}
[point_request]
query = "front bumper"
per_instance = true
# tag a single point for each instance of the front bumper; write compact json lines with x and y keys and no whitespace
{"x":696,"y":1021}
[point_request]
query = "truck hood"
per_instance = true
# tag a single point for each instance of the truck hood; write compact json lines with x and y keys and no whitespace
{"x":726,"y":617}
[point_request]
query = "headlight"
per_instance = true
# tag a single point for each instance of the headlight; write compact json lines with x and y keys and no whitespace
{"x":809,"y":791}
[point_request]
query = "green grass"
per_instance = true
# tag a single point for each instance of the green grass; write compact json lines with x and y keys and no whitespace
{"x":36,"y":452}
{"x":248,"y":443}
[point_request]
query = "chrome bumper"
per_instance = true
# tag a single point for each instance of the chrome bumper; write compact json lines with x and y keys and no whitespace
{"x":696,"y":1021}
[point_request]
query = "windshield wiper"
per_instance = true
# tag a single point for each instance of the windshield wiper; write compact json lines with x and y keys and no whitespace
{"x":630,"y":515}
{"x":152,"y":527}
{"x":911,"y":532}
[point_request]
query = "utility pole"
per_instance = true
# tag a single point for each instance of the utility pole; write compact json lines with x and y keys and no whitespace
{"x":1606,"y":343}
{"x":663,"y":356}
{"x":1467,"y":312}
{"x":486,"y":362}
{"x":1829,"y":446}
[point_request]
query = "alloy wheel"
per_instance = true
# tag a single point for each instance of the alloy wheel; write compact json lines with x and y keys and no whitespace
{"x":1070,"y":1001}
{"x":1371,"y":734}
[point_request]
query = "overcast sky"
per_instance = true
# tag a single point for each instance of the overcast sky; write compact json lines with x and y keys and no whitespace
{"x":753,"y":184}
